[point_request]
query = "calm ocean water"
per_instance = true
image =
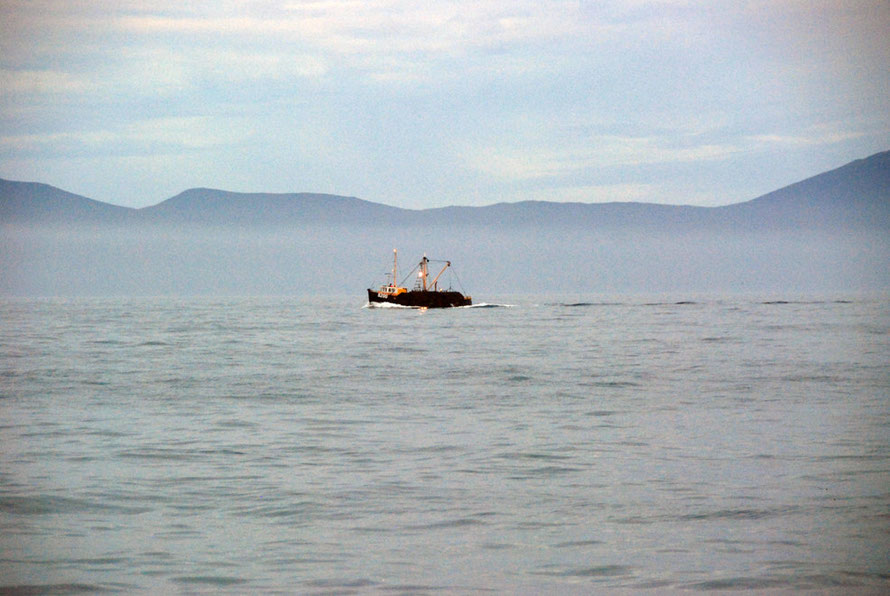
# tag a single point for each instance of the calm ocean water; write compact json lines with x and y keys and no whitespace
{"x":560,"y":445}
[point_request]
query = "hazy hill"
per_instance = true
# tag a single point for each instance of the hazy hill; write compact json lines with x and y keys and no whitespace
{"x":829,"y":233}
{"x":35,"y":203}
{"x":205,"y":205}
{"x":855,"y":195}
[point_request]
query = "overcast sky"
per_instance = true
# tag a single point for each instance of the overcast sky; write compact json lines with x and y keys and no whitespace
{"x":433,"y":103}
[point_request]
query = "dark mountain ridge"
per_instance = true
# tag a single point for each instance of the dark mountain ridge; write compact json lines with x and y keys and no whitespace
{"x":37,"y":203}
{"x":205,"y":205}
{"x":854,"y":195}
{"x":857,"y":194}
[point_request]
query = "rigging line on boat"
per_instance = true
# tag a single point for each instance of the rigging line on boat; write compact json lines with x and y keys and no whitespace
{"x":452,"y":270}
{"x":410,"y":274}
{"x":416,"y":267}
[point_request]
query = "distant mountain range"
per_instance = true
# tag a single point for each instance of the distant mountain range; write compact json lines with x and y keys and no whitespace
{"x":828,"y":233}
{"x":852,"y":196}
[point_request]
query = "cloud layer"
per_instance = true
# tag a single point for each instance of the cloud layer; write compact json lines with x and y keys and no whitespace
{"x":426,"y":104}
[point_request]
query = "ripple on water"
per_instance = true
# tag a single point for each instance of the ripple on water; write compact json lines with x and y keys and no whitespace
{"x":49,"y":504}
{"x":210,"y":580}
{"x":602,"y":571}
{"x":56,"y":589}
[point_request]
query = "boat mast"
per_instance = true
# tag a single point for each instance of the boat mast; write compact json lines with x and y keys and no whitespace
{"x":395,"y":261}
{"x":423,"y":270}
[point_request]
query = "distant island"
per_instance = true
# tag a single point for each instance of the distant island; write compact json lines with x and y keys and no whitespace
{"x":826,"y":233}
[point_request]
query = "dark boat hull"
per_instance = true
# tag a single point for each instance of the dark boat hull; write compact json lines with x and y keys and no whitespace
{"x":421,"y":299}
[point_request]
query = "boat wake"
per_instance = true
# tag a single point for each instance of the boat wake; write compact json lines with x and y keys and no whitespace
{"x":387,"y":305}
{"x":487,"y":305}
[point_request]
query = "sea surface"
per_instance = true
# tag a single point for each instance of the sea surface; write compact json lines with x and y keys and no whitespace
{"x":529,"y":445}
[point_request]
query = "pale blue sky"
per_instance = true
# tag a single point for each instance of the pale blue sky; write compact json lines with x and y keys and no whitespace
{"x":427,"y":104}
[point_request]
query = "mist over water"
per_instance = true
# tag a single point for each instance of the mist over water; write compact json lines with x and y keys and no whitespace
{"x":560,"y":444}
{"x":325,"y":260}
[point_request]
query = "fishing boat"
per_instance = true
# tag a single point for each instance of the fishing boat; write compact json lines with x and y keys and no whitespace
{"x":425,"y":294}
